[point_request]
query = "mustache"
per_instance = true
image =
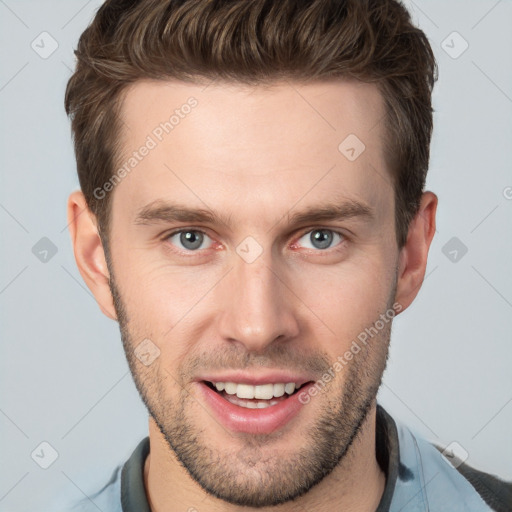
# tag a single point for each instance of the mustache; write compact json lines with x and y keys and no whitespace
{"x":276,"y":357}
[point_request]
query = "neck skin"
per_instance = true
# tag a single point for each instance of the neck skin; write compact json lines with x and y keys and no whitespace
{"x":357,"y":483}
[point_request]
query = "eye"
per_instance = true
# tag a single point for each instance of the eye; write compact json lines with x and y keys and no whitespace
{"x":190,"y":239}
{"x":320,"y":239}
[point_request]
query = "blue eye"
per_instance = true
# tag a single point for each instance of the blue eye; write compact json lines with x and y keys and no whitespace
{"x":194,"y":240}
{"x":320,"y":238}
{"x":190,"y":239}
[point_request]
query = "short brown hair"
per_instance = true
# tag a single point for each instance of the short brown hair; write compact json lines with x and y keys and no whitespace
{"x":253,"y":42}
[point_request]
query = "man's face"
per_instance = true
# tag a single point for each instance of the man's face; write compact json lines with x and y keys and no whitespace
{"x":255,"y":293}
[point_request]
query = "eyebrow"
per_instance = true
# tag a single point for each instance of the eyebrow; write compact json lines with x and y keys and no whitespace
{"x":163,"y":211}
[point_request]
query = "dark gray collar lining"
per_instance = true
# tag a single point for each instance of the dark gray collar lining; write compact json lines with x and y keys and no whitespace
{"x":133,"y":492}
{"x":388,"y":455}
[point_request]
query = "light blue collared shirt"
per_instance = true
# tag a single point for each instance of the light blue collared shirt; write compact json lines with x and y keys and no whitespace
{"x":418,"y":478}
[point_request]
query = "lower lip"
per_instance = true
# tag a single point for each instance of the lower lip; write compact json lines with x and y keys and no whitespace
{"x":253,"y":421}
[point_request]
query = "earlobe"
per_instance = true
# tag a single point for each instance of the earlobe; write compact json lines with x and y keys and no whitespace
{"x":89,"y":253}
{"x":413,"y":255}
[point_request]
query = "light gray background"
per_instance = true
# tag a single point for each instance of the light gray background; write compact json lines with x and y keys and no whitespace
{"x":64,"y":378}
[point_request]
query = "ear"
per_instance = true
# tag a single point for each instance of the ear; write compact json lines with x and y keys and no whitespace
{"x":89,"y":253}
{"x":413,"y":255}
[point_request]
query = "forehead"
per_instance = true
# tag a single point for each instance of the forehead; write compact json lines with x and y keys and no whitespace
{"x":276,"y":144}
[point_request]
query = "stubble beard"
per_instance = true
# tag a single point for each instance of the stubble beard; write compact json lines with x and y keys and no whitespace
{"x":252,"y":475}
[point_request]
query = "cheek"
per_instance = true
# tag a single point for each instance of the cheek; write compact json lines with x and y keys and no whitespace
{"x":166,"y":306}
{"x":346,"y":299}
{"x":162,"y":299}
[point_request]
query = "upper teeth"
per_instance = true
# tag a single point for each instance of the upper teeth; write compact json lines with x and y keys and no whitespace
{"x":264,"y":391}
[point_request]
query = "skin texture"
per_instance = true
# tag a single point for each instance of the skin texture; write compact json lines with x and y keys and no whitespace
{"x":256,"y":156}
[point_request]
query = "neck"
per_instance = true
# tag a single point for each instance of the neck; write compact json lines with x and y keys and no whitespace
{"x":356,"y":484}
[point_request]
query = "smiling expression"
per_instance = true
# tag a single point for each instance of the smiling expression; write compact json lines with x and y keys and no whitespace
{"x":248,"y":248}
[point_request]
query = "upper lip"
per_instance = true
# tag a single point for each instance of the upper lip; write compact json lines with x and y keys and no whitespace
{"x":257,"y":379}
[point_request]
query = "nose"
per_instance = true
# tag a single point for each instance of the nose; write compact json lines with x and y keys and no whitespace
{"x":257,"y":306}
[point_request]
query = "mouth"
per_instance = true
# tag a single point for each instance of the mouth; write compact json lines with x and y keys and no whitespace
{"x":255,"y":396}
{"x":255,"y":403}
